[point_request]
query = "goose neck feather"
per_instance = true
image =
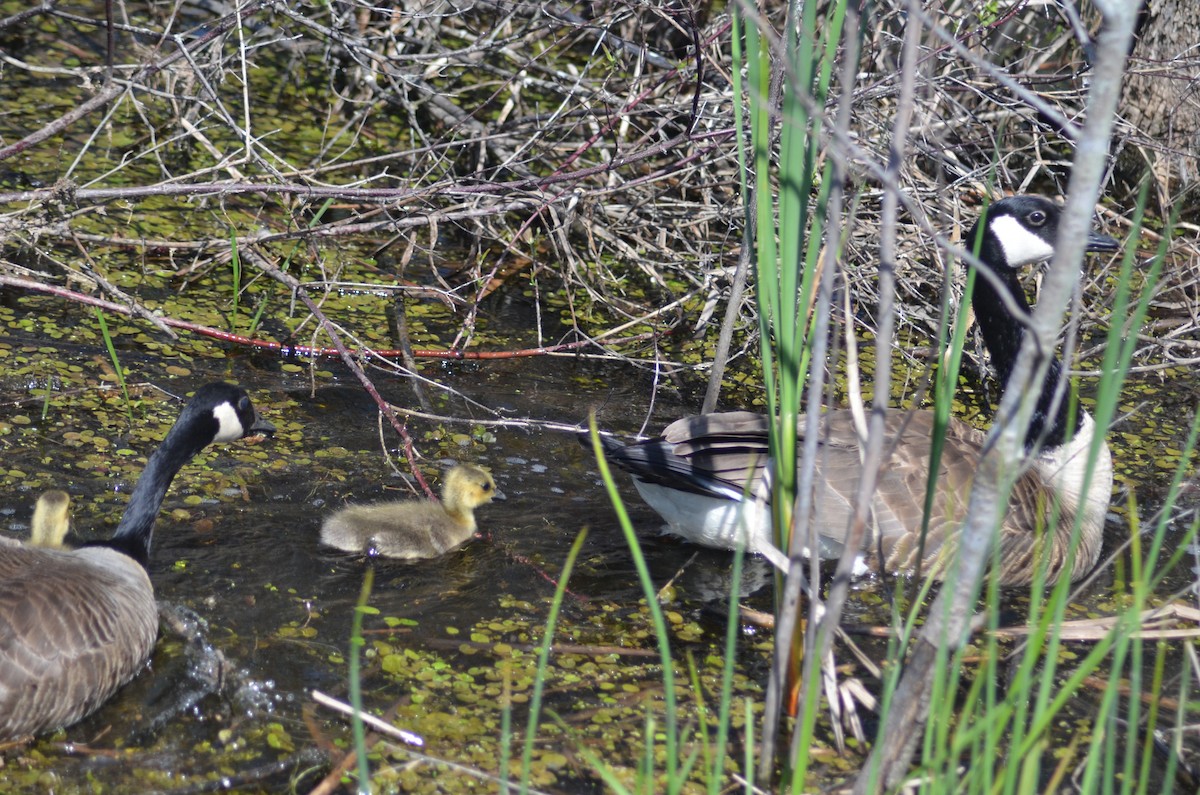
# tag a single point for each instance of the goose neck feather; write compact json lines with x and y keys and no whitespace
{"x":1003,"y":333}
{"x":1013,"y":233}
{"x":77,"y":624}
{"x":134,"y":533}
{"x":217,"y":412}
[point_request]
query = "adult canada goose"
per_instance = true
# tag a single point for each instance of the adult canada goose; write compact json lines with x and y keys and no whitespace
{"x":695,"y":474}
{"x":51,"y":519}
{"x":77,"y":624}
{"x":414,"y":529}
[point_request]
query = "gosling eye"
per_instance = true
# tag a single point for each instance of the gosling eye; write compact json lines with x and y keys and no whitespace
{"x":486,"y":487}
{"x":1037,"y":218}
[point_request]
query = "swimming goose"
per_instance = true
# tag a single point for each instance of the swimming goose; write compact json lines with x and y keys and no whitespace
{"x":414,"y":529}
{"x":77,"y":624}
{"x":695,"y":474}
{"x":51,"y":519}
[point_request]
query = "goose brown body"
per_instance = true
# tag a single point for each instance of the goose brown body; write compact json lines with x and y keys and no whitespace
{"x":77,"y":624}
{"x":414,"y":529}
{"x":706,"y":475}
{"x":732,"y":448}
{"x":57,"y":666}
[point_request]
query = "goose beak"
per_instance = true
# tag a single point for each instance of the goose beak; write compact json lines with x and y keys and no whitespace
{"x":1099,"y":242}
{"x":261,"y":427}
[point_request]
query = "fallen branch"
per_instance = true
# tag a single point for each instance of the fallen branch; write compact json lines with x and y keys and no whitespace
{"x":287,"y":349}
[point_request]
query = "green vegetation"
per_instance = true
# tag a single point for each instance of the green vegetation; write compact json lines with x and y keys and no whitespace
{"x":487,"y":182}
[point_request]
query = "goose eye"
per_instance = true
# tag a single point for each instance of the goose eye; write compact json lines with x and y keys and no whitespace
{"x":1037,"y":218}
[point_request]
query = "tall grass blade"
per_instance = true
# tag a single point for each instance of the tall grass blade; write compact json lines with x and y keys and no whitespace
{"x":235,"y":262}
{"x":535,"y":700}
{"x":116,"y":363}
{"x":356,"y":646}
{"x":675,"y":773}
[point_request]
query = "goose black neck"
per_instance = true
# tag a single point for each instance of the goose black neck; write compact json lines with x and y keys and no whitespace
{"x":133,"y":534}
{"x":1003,"y":334}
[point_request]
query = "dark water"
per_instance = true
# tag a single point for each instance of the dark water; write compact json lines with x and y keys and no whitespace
{"x":267,"y":612}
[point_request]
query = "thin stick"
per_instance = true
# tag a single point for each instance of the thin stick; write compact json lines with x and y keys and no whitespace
{"x":375,"y":723}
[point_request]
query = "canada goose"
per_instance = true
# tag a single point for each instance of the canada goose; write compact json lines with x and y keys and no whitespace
{"x":77,"y":624}
{"x":51,"y":519}
{"x":414,"y":529}
{"x":695,"y":474}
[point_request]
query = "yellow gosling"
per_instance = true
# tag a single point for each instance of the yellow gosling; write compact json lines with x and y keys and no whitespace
{"x":51,"y":520}
{"x":414,"y":529}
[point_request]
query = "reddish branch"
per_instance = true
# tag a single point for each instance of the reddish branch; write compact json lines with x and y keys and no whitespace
{"x":349,"y":357}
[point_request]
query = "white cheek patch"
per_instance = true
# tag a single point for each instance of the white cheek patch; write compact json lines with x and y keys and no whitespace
{"x":1021,"y":247}
{"x":229,"y":427}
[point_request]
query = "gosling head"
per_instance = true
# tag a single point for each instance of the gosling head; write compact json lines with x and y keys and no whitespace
{"x":51,"y":519}
{"x":466,"y":488}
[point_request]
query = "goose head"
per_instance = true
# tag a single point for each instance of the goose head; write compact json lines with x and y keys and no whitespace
{"x":1013,"y":233}
{"x":1023,"y":230}
{"x":220,"y":412}
{"x":217,"y":412}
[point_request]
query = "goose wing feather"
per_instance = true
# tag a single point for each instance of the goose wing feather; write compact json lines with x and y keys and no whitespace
{"x":1025,"y":540}
{"x":81,"y":624}
{"x":711,"y":454}
{"x":898,"y":503}
{"x":730,"y":447}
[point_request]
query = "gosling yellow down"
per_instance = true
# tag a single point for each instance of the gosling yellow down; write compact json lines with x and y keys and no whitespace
{"x":51,"y":520}
{"x":414,"y":529}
